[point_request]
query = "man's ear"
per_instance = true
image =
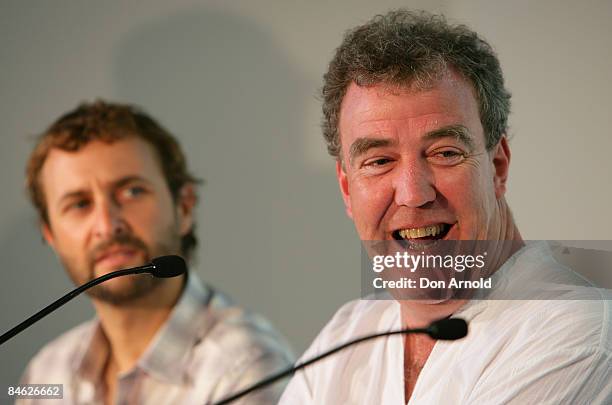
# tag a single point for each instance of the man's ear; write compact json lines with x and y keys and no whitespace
{"x":344,"y":188}
{"x":47,"y":234}
{"x":185,"y":207}
{"x":501,"y":165}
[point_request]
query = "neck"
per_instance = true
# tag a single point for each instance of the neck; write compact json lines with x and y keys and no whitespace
{"x":508,"y":233}
{"x":420,"y":314}
{"x":130,"y":327}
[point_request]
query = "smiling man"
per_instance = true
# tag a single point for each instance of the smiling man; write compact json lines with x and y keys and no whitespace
{"x":113,"y":191}
{"x":415,"y":114}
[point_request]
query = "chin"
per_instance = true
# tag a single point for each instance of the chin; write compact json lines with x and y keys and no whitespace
{"x":125,"y":290}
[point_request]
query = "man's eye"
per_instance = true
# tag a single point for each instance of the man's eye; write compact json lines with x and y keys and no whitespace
{"x":377,"y":162}
{"x":447,"y":156}
{"x":134,"y":191}
{"x":78,"y":205}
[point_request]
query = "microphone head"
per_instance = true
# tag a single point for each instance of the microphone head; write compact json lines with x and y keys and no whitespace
{"x":168,"y":266}
{"x":448,"y":329}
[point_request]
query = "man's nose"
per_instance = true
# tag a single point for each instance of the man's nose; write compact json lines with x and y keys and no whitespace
{"x":109,"y":221}
{"x":413,"y":185}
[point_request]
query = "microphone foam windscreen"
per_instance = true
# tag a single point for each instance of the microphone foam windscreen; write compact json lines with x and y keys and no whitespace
{"x":448,"y":329}
{"x":168,"y":266}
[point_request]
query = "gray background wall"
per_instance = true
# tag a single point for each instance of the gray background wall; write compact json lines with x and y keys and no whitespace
{"x":237,"y":81}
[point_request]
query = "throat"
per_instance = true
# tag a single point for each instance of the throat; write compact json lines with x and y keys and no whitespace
{"x":416,"y":352}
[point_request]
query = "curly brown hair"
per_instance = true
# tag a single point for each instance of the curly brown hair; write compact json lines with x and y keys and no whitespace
{"x":109,"y":122}
{"x":414,"y":49}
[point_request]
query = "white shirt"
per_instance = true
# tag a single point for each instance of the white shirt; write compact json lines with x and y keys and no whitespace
{"x":537,"y":351}
{"x":208,"y":349}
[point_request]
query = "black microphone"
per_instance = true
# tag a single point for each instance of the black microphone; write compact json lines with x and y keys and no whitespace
{"x":168,"y":266}
{"x":448,"y":329}
{"x":443,"y":329}
{"x":164,"y":267}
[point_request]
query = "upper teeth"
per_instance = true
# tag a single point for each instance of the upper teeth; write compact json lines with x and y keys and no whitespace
{"x":412,"y":233}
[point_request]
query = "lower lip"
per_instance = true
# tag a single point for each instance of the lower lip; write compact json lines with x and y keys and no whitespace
{"x":117,"y":260}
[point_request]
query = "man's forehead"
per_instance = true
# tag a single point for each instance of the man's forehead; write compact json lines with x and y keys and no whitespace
{"x":104,"y":162}
{"x":450,"y":83}
{"x":373,"y":111}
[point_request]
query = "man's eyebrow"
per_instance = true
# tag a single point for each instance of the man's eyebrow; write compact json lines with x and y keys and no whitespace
{"x":79,"y":193}
{"x":459,"y":132}
{"x":130,"y":179}
{"x":362,"y":145}
{"x":70,"y":195}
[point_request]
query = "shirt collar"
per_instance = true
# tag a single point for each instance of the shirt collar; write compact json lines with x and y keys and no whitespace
{"x":94,"y":349}
{"x":504,"y":279}
{"x":168,"y":353}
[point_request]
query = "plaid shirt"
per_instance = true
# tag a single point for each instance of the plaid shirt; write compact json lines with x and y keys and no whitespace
{"x":207,"y":349}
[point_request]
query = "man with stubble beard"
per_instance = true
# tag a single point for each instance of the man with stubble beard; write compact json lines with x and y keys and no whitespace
{"x":113,"y":191}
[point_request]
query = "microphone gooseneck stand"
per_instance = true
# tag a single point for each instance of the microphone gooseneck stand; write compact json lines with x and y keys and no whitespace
{"x":164,"y":267}
{"x":444,"y":329}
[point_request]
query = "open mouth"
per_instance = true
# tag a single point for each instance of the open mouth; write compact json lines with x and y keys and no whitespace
{"x":424,"y":236}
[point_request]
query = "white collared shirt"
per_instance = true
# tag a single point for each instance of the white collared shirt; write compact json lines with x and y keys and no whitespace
{"x":207,"y":349}
{"x":537,"y":351}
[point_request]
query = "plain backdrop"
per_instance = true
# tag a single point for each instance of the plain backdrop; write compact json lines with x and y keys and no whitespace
{"x":237,"y":82}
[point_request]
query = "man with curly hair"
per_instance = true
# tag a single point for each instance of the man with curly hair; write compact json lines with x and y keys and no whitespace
{"x":415,"y":115}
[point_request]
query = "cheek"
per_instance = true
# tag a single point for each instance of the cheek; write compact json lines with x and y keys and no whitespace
{"x":148,"y":218}
{"x":465,"y":191}
{"x":69,"y":242}
{"x":369,"y":199}
{"x":69,"y":233}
